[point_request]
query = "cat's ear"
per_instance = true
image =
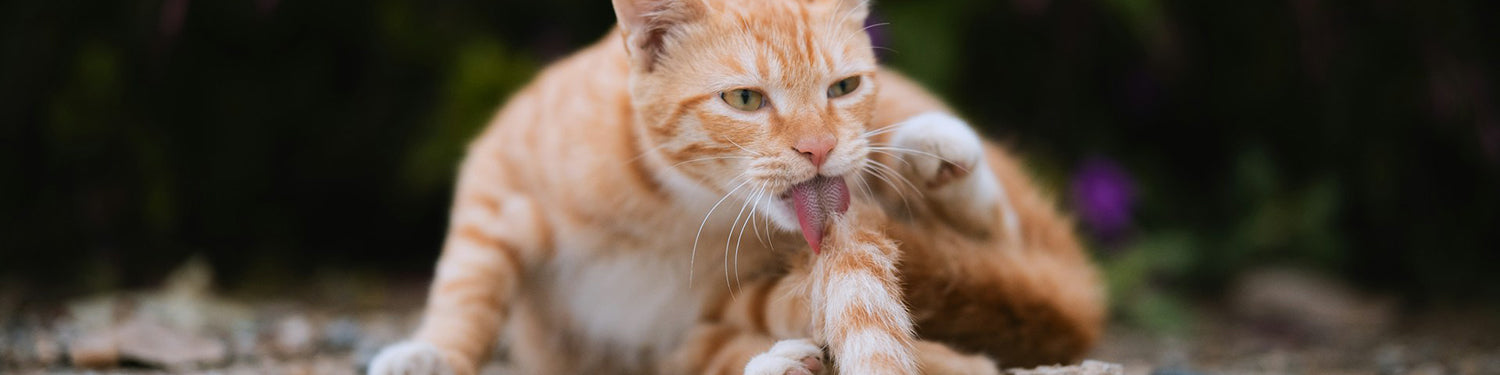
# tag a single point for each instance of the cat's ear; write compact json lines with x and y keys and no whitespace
{"x":646,"y":24}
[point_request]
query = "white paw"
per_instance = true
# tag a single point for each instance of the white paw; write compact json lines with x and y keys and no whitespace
{"x":945,"y":157}
{"x":936,"y":149}
{"x":411,"y":358}
{"x":788,"y":357}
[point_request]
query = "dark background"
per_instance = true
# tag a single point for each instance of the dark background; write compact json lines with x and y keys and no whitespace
{"x":1194,"y":140}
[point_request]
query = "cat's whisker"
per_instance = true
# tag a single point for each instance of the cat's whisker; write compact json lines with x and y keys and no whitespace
{"x":918,"y":152}
{"x":862,"y":31}
{"x":693,"y":257}
{"x":710,"y":158}
{"x":898,"y":175}
{"x":862,"y":4}
{"x":755,"y":226}
{"x":845,"y":18}
{"x":894,"y":187}
{"x":890,"y":168}
{"x":737,"y":144}
{"x":874,"y":25}
{"x":870,"y":195}
{"x":831,"y":15}
{"x":882,"y":130}
{"x":770,"y":241}
{"x":754,"y":203}
{"x":892,"y":155}
{"x":890,"y":176}
{"x":727,"y":237}
{"x":887,"y":49}
{"x":648,"y":151}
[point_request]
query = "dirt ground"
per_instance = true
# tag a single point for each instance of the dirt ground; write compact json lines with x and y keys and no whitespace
{"x":335,"y":329}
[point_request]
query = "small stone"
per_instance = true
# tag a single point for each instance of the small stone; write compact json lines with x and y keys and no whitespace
{"x":245,"y":337}
{"x":366,"y":351}
{"x":154,"y":344}
{"x":294,"y":336}
{"x":12,"y":346}
{"x":1312,"y":305}
{"x":1174,"y":371}
{"x":5,"y":356}
{"x":1089,"y":367}
{"x":1428,"y":369}
{"x":46,"y":350}
{"x":342,"y":334}
{"x":95,"y":351}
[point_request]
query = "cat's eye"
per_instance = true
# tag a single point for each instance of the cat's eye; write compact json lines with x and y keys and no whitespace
{"x":743,"y":99}
{"x":843,"y":87}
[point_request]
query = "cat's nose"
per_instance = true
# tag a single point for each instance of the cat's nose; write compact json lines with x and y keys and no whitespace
{"x":816,"y":148}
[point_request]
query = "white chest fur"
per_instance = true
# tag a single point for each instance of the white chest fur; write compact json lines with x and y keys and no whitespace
{"x":627,"y":300}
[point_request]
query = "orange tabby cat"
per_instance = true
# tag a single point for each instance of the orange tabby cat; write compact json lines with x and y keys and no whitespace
{"x":600,"y":220}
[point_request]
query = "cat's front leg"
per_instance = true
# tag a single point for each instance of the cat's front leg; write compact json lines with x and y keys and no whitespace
{"x":943,"y":157}
{"x":856,"y":298}
{"x":490,"y":241}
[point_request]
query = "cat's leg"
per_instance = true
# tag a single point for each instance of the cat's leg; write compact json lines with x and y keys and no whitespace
{"x":855,"y":295}
{"x":847,"y":296}
{"x":491,"y":236}
{"x":740,"y":335}
{"x":726,"y":349}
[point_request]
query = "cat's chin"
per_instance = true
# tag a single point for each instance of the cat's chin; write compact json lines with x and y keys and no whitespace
{"x":783,"y":214}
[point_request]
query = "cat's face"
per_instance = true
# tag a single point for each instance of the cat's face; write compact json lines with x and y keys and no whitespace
{"x":749,"y":98}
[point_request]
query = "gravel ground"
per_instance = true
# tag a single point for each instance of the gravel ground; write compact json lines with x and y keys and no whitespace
{"x":183,"y":328}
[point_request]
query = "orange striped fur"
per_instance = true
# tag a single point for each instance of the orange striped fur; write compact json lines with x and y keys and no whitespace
{"x":619,"y":216}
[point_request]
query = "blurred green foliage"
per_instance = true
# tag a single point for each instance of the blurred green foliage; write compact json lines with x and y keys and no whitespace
{"x":278,"y":138}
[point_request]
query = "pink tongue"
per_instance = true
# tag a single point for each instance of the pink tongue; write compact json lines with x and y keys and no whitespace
{"x":816,"y":201}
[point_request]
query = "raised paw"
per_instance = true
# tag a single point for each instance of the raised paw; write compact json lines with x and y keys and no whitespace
{"x":936,"y":149}
{"x":943,"y":156}
{"x":788,"y":357}
{"x":412,"y":358}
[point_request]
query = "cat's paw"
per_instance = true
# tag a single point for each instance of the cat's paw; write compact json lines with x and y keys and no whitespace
{"x":788,"y":357}
{"x":413,"y":358}
{"x":936,"y":149}
{"x":943,"y":156}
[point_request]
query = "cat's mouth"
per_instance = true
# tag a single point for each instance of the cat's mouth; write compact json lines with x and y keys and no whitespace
{"x":815,"y":202}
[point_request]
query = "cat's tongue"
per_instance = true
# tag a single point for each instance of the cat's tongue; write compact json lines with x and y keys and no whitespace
{"x":816,"y":201}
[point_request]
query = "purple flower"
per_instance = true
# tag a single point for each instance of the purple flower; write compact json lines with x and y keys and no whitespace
{"x":1103,"y":195}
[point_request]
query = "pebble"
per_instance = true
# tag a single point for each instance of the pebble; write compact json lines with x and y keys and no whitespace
{"x":294,"y":336}
{"x":146,"y":342}
{"x":1088,"y":367}
{"x":245,"y":337}
{"x":47,"y":349}
{"x":95,"y":351}
{"x":1312,"y":305}
{"x":153,"y":343}
{"x":342,"y":334}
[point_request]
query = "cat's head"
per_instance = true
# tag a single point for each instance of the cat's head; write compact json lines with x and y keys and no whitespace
{"x":750,"y":98}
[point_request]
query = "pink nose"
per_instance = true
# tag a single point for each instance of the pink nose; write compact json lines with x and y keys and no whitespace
{"x":816,"y":148}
